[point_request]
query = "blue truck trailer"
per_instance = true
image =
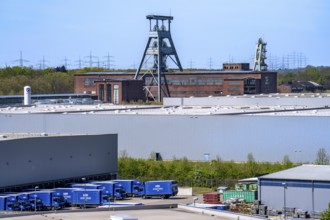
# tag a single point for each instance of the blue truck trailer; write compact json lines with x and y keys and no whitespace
{"x":66,"y":193}
{"x":23,"y":202}
{"x":11,"y":203}
{"x":3,"y":203}
{"x":111,"y":190}
{"x":132,"y":187}
{"x":45,"y":200}
{"x":87,"y":197}
{"x":162,"y":188}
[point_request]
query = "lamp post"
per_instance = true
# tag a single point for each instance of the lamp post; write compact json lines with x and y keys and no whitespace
{"x":284,"y":190}
{"x":207,"y":159}
{"x":313,"y":199}
{"x":211,"y":174}
{"x":297,"y":152}
{"x":84,"y":180}
{"x":195,"y":198}
{"x":35,"y":197}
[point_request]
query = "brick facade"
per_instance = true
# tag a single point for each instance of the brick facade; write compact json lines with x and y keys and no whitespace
{"x":186,"y":84}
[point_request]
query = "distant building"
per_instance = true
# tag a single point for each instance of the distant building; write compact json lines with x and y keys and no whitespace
{"x":236,"y":66}
{"x":306,"y":187}
{"x":48,"y":160}
{"x":119,"y":91}
{"x":300,"y":86}
{"x":234,"y":79}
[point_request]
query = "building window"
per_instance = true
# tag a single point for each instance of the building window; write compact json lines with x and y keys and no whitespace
{"x":101,"y":92}
{"x":90,"y":81}
{"x":234,"y":83}
{"x":116,"y":94}
{"x":108,"y":93}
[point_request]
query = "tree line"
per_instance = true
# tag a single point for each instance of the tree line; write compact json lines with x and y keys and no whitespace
{"x":48,"y":81}
{"x":203,"y":174}
{"x":196,"y":173}
{"x":320,"y":75}
{"x":60,"y":80}
{"x":56,"y":80}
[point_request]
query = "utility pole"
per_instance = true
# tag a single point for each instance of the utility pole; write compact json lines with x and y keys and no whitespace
{"x":79,"y":62}
{"x":191,"y":63}
{"x":42,"y":63}
{"x":21,"y":61}
{"x":109,"y":60}
{"x":210,"y":63}
{"x":90,"y":57}
{"x":66,"y":62}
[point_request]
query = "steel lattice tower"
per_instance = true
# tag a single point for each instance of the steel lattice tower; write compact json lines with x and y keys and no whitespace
{"x":260,"y":56}
{"x":160,"y":46}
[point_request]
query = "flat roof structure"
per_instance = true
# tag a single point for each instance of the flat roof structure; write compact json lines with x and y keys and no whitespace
{"x":305,"y":172}
{"x":272,"y":104}
{"x":269,"y":126}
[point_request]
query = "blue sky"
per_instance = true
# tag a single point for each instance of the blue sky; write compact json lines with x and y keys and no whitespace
{"x":220,"y":30}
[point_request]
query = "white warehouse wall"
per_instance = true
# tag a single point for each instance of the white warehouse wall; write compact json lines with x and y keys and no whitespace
{"x":230,"y":137}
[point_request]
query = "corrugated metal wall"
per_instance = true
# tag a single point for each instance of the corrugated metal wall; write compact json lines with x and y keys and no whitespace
{"x":298,"y":194}
{"x":42,"y":159}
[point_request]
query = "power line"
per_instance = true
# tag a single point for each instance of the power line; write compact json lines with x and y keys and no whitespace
{"x":42,"y":63}
{"x":66,"y":62}
{"x":109,"y":61}
{"x":90,"y":59}
{"x":21,"y":61}
{"x":79,"y":62}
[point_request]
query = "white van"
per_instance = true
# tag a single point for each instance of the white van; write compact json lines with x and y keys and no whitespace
{"x":122,"y":217}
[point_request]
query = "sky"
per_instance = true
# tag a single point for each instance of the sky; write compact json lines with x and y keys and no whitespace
{"x":206,"y":33}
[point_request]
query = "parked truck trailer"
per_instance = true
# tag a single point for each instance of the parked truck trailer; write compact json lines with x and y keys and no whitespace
{"x":162,"y":188}
{"x":132,"y":187}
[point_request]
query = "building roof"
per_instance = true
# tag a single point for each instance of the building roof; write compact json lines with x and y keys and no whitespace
{"x":304,"y":85}
{"x":303,"y":172}
{"x":194,"y":72}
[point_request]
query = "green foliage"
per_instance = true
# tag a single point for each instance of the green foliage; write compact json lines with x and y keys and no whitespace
{"x":48,"y":81}
{"x":322,"y":157}
{"x":319,"y":75}
{"x":194,"y":173}
{"x":326,"y":214}
{"x":286,"y":161}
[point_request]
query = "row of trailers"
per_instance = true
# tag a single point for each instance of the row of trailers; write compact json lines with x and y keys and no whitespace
{"x":92,"y":194}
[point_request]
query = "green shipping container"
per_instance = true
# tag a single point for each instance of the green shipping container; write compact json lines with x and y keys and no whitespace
{"x":248,"y":196}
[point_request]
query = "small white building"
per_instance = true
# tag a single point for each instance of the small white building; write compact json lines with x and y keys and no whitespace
{"x":305,"y":187}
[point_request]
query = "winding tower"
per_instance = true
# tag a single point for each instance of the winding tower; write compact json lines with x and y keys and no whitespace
{"x":260,"y":56}
{"x":159,"y":47}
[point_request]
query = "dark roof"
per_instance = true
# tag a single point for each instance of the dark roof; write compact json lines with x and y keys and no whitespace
{"x":182,"y":73}
{"x":117,"y":80}
{"x":303,"y":84}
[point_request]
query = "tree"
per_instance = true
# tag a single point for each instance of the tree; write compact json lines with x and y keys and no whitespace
{"x":123,"y":154}
{"x":250,"y":158}
{"x":286,"y":161}
{"x":322,"y":157}
{"x":326,"y":214}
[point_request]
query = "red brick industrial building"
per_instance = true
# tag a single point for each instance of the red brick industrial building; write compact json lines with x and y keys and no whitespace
{"x":234,"y":79}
